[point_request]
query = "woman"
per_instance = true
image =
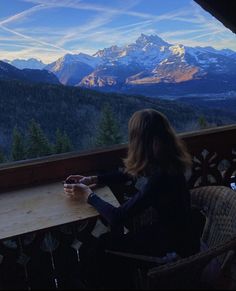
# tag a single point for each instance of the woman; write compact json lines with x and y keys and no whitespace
{"x":156,"y":153}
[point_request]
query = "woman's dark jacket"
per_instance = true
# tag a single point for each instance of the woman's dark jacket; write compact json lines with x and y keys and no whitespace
{"x":169,"y":196}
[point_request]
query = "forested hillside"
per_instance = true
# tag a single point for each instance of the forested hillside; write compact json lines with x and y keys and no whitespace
{"x":77,"y":112}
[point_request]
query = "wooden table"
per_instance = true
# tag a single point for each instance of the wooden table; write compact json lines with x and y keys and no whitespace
{"x":40,"y":207}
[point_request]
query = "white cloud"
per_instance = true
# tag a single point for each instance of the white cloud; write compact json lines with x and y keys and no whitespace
{"x":124,"y":10}
{"x":91,"y":29}
{"x":47,"y":55}
{"x":32,"y":39}
{"x":118,"y":35}
{"x":22,"y":15}
{"x":28,"y":40}
{"x":76,"y":32}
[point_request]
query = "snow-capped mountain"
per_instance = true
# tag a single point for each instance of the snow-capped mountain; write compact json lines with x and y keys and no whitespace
{"x":146,"y":51}
{"x":150,"y":66}
{"x":26,"y":64}
{"x":70,"y":69}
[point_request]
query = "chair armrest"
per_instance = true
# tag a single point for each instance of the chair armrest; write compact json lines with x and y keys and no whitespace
{"x":170,"y":257}
{"x":197,"y":261}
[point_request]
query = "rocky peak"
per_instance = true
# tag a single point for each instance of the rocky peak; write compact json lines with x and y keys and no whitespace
{"x":144,"y":40}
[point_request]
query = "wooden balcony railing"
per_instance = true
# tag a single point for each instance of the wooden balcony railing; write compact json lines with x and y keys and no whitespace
{"x":48,"y":259}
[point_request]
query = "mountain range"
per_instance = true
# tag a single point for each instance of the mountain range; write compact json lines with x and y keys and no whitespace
{"x":149,"y":66}
{"x":31,"y":63}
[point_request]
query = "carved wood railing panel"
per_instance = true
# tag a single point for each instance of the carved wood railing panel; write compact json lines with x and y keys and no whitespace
{"x":214,"y":157}
{"x":46,"y":259}
{"x":212,"y":168}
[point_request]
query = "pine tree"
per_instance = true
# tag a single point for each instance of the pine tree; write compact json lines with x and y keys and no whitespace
{"x":38,"y":144}
{"x":202,"y":122}
{"x":2,"y":156}
{"x":18,"y":147}
{"x":108,"y":129}
{"x":63,"y":143}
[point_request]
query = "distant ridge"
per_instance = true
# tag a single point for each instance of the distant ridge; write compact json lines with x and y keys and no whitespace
{"x":9,"y":72}
{"x":31,"y":63}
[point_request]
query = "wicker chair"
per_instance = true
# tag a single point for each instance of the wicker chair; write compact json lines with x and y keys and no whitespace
{"x":218,"y":203}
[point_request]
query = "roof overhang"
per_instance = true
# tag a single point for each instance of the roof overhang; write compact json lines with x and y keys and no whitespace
{"x":223,"y":10}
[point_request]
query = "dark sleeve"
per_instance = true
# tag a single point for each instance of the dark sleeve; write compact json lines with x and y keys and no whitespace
{"x":118,"y":215}
{"x":114,"y":177}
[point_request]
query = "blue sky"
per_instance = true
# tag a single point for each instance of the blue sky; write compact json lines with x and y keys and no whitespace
{"x":48,"y":29}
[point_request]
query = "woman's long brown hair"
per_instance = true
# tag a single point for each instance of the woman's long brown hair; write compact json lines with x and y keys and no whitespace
{"x":154,"y":144}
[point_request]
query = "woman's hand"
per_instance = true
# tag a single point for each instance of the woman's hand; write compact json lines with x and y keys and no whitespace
{"x":90,"y":180}
{"x":77,"y":191}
